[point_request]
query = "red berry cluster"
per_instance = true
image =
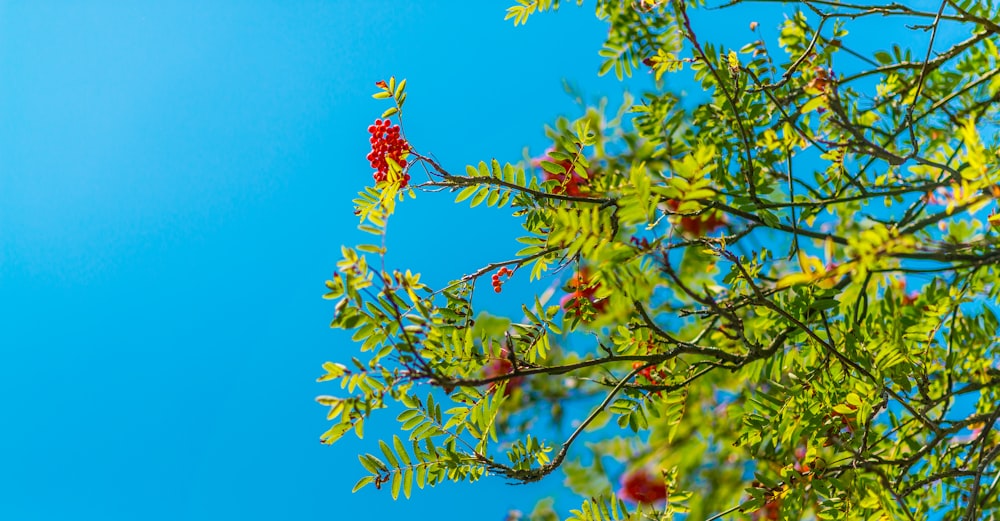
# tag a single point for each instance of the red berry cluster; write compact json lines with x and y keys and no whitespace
{"x":570,"y":182}
{"x":582,"y":300}
{"x":497,"y":283}
{"x":649,"y":375}
{"x":641,"y":486}
{"x":387,"y":143}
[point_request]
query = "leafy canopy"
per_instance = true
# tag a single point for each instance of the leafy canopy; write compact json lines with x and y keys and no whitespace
{"x":780,"y":294}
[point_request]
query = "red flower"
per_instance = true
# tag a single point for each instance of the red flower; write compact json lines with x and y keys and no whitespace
{"x":640,"y":486}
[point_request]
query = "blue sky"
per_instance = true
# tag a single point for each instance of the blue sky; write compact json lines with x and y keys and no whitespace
{"x":175,"y":188}
{"x":175,"y":185}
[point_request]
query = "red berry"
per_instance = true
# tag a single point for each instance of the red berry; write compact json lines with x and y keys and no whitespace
{"x":386,"y":143}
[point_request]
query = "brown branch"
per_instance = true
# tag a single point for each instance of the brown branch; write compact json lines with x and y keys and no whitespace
{"x":454,"y":182}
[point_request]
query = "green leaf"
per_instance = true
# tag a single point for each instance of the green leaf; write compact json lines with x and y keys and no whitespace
{"x":407,"y":482}
{"x":362,"y":483}
{"x":401,"y":450}
{"x":397,"y":480}
{"x":335,"y":433}
{"x":553,"y":168}
{"x":466,"y":193}
{"x":371,"y":463}
{"x":814,"y":103}
{"x":480,"y":197}
{"x":387,"y":452}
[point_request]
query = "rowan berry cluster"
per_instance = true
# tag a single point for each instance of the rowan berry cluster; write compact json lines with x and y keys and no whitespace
{"x":641,"y":486}
{"x":497,"y":283}
{"x":649,"y":375}
{"x":582,"y":300}
{"x":387,"y":143}
{"x":570,"y":182}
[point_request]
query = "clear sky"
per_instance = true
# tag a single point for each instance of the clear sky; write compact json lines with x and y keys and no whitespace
{"x":175,"y":185}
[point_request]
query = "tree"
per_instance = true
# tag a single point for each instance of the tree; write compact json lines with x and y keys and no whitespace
{"x":782,"y":297}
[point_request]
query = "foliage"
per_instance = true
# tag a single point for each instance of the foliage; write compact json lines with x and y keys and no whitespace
{"x":736,"y":274}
